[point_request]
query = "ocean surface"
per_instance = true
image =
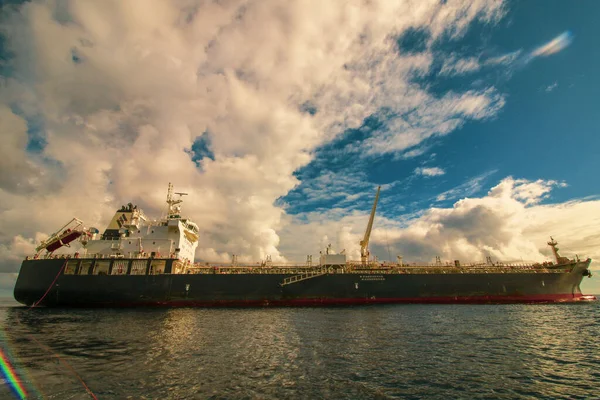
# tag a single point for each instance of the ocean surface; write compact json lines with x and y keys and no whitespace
{"x":372,"y":352}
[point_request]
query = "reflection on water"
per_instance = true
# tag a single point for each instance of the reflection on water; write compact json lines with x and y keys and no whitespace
{"x":411,"y":351}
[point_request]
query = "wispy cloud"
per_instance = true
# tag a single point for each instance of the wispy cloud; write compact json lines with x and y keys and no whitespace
{"x":519,"y":58}
{"x":554,"y":46}
{"x":468,"y":188}
{"x":455,"y":65}
{"x":432,"y":171}
{"x":433,"y":117}
{"x":550,"y":88}
{"x":414,"y":152}
{"x":504,"y":59}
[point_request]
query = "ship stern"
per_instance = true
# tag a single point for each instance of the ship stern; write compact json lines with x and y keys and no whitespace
{"x":36,"y":283}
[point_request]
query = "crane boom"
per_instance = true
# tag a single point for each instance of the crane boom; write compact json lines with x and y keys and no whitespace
{"x":364,"y":244}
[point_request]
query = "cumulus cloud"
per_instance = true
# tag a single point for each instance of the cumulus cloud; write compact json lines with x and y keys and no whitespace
{"x":507,"y":224}
{"x":124,"y":89}
{"x":525,"y":191}
{"x":429,"y":171}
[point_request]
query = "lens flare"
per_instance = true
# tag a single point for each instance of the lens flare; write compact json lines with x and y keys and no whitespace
{"x":10,"y":376}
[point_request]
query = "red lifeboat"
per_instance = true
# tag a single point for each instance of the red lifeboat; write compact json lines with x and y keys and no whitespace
{"x":65,"y":235}
{"x":63,"y":240}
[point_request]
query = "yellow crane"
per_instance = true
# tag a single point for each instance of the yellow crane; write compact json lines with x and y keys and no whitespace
{"x":364,"y":244}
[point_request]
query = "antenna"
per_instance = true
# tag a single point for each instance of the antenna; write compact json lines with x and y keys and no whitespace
{"x":174,"y":208}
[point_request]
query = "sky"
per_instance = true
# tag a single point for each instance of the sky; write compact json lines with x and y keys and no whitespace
{"x":280,"y":120}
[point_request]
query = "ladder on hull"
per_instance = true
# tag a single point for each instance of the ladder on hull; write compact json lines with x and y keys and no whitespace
{"x":302,"y":277}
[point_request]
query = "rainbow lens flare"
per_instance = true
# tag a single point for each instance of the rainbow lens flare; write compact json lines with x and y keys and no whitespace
{"x":10,"y":376}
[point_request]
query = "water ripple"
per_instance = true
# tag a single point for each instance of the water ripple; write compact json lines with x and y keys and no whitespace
{"x":382,"y":352}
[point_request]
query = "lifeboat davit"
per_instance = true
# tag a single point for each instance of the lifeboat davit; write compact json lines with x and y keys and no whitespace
{"x":63,"y":240}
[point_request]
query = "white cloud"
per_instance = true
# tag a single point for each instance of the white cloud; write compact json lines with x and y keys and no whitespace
{"x":550,"y":88}
{"x":507,"y":224}
{"x":454,"y":65}
{"x":151,"y":76}
{"x":344,"y":188}
{"x":555,"y":45}
{"x":525,"y":191}
{"x":505,"y":59}
{"x":414,"y":152}
{"x":433,"y":117}
{"x":519,"y":58}
{"x":19,"y":172}
{"x":429,"y":171}
{"x":469,"y":188}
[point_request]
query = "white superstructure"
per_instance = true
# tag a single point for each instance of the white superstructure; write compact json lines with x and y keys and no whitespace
{"x":130,"y":234}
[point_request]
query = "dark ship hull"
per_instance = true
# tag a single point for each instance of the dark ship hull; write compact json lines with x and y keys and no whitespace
{"x":47,"y":282}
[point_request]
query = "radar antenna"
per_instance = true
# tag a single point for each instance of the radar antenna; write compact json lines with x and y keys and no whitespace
{"x":559,"y":259}
{"x":364,"y":244}
{"x":174,"y":207}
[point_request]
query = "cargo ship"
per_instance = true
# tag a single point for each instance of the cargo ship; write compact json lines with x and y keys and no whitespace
{"x":141,"y":262}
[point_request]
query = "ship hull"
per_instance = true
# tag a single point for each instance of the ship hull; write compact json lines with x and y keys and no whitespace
{"x":42,"y":282}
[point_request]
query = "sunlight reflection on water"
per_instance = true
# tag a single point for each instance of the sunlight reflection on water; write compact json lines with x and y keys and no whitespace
{"x":409,"y":351}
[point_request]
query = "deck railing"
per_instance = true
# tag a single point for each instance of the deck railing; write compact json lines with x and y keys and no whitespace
{"x":304,"y":271}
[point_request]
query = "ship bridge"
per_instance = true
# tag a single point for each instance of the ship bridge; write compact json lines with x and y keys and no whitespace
{"x":130,"y":234}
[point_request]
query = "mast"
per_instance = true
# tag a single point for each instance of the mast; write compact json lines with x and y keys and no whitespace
{"x":552,"y":243}
{"x":174,"y":208}
{"x":364,"y":244}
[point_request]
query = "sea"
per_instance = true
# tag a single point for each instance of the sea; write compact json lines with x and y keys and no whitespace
{"x":516,"y":351}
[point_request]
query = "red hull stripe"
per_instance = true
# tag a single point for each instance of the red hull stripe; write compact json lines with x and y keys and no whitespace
{"x":546,"y":298}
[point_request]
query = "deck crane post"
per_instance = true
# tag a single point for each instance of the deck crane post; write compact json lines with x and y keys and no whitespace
{"x":364,"y":244}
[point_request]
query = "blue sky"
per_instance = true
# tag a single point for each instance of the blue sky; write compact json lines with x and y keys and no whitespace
{"x":477,"y":119}
{"x":548,"y":128}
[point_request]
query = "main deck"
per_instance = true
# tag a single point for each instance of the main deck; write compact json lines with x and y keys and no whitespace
{"x":158,"y":266}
